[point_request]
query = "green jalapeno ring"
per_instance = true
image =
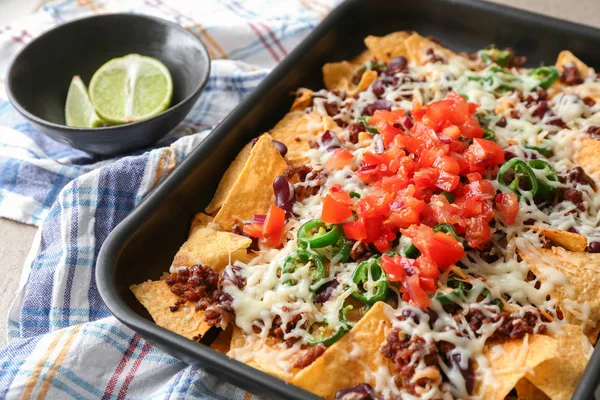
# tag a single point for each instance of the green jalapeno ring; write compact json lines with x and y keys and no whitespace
{"x":305,"y":256}
{"x":324,"y":236}
{"x":545,"y":148}
{"x":364,"y":120}
{"x":489,"y":134}
{"x":492,"y":54}
{"x":354,"y":195}
{"x":361,"y":276}
{"x":328,"y":341}
{"x":546,"y":75}
{"x":519,"y":167}
{"x":545,"y":189}
{"x":341,"y":250}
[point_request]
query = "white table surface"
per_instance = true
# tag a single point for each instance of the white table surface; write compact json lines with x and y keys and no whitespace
{"x":15,"y":238}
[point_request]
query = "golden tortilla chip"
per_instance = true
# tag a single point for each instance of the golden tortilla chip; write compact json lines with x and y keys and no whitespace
{"x":566,"y":56}
{"x":157,"y":297}
{"x":303,"y":99}
{"x":569,"y":364}
{"x":252,"y":192}
{"x":363,"y":57}
{"x":588,"y":156}
{"x":582,"y":270}
{"x":416,"y":46}
{"x":340,"y":75}
{"x":222,"y":343}
{"x":213,"y":248}
{"x":527,"y":391}
{"x":229,"y":178}
{"x":334,"y":370}
{"x":296,"y":129}
{"x":389,"y":46}
{"x":568,"y":240}
{"x":270,"y":355}
{"x":511,"y":360}
{"x":199,"y":221}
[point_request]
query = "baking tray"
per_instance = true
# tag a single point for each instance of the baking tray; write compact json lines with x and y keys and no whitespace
{"x":143,"y":245}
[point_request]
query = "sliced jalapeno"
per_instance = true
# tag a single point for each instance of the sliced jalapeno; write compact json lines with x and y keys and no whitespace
{"x":546,"y":148}
{"x":523,"y":175}
{"x":341,"y":251}
{"x":316,"y":234}
{"x":354,"y":195}
{"x":491,"y":54}
{"x":371,"y":282}
{"x":365,"y":121}
{"x":411,"y":251}
{"x":337,"y":335}
{"x":446,"y":228}
{"x":452,"y":296}
{"x":301,"y":257}
{"x":489,"y":134}
{"x":549,"y":175}
{"x":546,"y":75}
{"x":370,"y":65}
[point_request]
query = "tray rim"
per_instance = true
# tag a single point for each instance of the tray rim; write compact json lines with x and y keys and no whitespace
{"x":119,"y":237}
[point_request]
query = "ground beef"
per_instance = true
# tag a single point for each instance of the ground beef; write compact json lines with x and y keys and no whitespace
{"x":515,"y":326}
{"x":557,"y":121}
{"x":324,"y":292}
{"x":406,"y":352}
{"x":571,"y":75}
{"x":514,"y":60}
{"x":353,"y":130}
{"x":578,"y":175}
{"x":588,"y":101}
{"x":541,"y":109}
{"x":310,"y":356}
{"x":501,"y":122}
{"x":432,"y":57}
{"x":593,"y":131}
{"x":279,"y":331}
{"x":305,"y":173}
{"x":573,"y":195}
{"x":360,"y":251}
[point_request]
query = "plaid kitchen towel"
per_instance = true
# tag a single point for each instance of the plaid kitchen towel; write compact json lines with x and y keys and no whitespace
{"x":63,"y":342}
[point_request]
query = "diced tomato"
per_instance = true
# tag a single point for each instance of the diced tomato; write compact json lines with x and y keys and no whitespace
{"x":417,"y":295}
{"x":508,"y":207}
{"x":445,"y":250}
{"x":426,"y":177}
{"x":448,"y":164}
{"x":337,"y":207}
{"x":273,"y":226}
{"x":478,"y":233}
{"x":390,"y":117}
{"x":253,"y":230}
{"x":392,"y":267}
{"x":428,"y":284}
{"x":427,"y":267}
{"x":444,"y":212}
{"x":355,"y":230}
{"x":483,"y":153}
{"x":373,"y":159}
{"x":339,"y":159}
{"x":447,"y":182}
{"x":480,"y":190}
{"x":394,"y":183}
{"x":452,"y":131}
{"x":388,"y":132}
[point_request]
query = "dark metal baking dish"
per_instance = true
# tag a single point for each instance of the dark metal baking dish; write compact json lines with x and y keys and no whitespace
{"x":143,"y":245}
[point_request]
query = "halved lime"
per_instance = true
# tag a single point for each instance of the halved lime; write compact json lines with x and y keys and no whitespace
{"x":131,"y":88}
{"x":79,"y":111}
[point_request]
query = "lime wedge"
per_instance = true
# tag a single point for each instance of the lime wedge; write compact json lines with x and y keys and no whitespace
{"x":79,"y":111}
{"x":131,"y":88}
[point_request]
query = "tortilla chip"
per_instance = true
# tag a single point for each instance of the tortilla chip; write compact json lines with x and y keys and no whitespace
{"x":568,"y":365}
{"x":367,"y":78}
{"x":222,"y":343}
{"x":157,"y":297}
{"x":416,"y":46}
{"x":296,"y":129}
{"x":511,"y":360}
{"x":583,"y":273}
{"x":213,"y":248}
{"x":568,"y":240}
{"x":334,"y":370}
{"x":263,"y":354}
{"x":527,"y":391}
{"x":303,"y":99}
{"x":363,"y":57}
{"x":199,"y":221}
{"x":244,"y":199}
{"x":389,"y":46}
{"x":566,"y":56}
{"x":588,"y":156}
{"x":229,"y":178}
{"x":339,"y":75}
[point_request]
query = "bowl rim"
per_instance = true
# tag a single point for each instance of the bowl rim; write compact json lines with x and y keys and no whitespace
{"x":76,"y":130}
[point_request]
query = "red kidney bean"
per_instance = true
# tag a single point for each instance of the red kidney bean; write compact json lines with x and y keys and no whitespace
{"x":377,"y":105}
{"x":593,"y":247}
{"x":407,"y":123}
{"x":378,"y":88}
{"x":330,"y":141}
{"x":363,"y":391}
{"x":285,"y":195}
{"x":281,"y":148}
{"x":593,"y":131}
{"x":397,"y":64}
{"x":541,"y":109}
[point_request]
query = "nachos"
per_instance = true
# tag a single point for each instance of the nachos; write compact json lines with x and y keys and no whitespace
{"x":425,"y":226}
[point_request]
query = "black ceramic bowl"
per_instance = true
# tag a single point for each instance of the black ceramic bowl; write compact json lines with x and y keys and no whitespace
{"x":39,"y":77}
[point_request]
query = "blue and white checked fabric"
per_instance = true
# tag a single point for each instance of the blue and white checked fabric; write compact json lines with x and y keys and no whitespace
{"x":63,"y":342}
